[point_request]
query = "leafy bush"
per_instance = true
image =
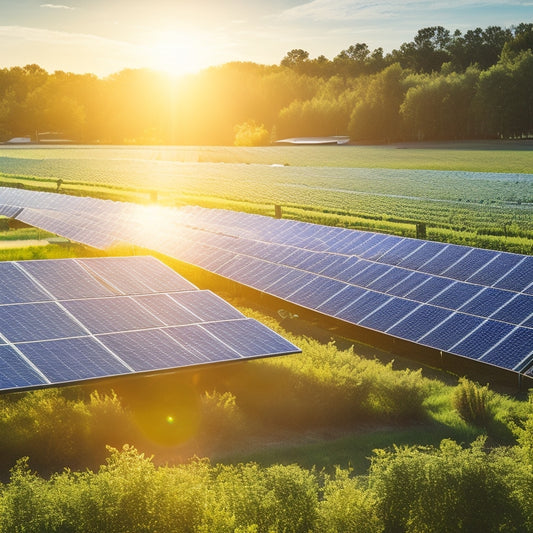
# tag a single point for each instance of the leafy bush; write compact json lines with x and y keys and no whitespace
{"x":347,"y":506}
{"x":473,"y":403}
{"x":449,"y":489}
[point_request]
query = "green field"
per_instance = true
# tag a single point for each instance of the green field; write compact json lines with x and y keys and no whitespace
{"x":479,"y":194}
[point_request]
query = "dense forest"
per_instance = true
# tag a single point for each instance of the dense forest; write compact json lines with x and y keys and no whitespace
{"x":441,"y":85}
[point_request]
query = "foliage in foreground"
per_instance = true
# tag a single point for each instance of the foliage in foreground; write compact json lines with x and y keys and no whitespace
{"x":411,"y":489}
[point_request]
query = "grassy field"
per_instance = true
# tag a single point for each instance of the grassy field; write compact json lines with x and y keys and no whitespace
{"x":477,"y":194}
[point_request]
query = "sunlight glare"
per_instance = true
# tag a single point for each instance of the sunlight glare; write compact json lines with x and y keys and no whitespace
{"x":176,"y":53}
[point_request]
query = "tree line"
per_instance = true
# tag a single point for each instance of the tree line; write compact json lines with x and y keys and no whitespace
{"x":441,"y":85}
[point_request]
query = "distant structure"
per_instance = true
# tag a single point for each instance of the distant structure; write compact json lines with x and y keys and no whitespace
{"x":335,"y":139}
{"x":19,"y":140}
{"x":47,"y":137}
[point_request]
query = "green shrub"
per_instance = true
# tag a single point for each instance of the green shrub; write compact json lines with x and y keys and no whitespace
{"x":473,"y":403}
{"x":449,"y":489}
{"x":346,"y":506}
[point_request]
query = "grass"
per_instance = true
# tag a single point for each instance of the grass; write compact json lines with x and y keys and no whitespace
{"x":476,"y":156}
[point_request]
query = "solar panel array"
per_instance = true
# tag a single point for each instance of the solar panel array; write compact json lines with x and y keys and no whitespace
{"x":69,"y":320}
{"x":471,"y":302}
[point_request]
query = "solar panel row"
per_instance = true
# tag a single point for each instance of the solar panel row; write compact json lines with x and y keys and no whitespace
{"x":472,"y":302}
{"x":69,"y":320}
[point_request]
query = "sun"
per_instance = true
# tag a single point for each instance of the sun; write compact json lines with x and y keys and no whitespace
{"x":176,"y":53}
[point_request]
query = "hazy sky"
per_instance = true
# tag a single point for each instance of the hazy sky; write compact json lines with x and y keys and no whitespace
{"x":106,"y":36}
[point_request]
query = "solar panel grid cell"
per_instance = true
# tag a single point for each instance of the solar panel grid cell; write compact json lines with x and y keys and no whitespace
{"x":15,"y":372}
{"x":17,"y":287}
{"x":105,"y":315}
{"x":206,"y":305}
{"x":421,"y":255}
{"x":389,"y":314}
{"x":201,"y":344}
{"x":65,"y":279}
{"x":166,"y":309}
{"x":518,"y":278}
{"x":482,"y":339}
{"x":249,"y":338}
{"x":37,"y":321}
{"x":418,"y":323}
{"x":513,"y":350}
{"x":441,"y":262}
{"x":403,"y":250}
{"x":317,"y":291}
{"x":60,"y":360}
{"x":451,"y":332}
{"x":470,"y":264}
{"x":363,"y":306}
{"x":148,"y":350}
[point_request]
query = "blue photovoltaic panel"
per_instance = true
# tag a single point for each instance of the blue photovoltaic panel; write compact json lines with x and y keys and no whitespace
{"x":472,"y":261}
{"x":363,"y":306}
{"x":37,"y":321}
{"x":449,"y":255}
{"x":482,"y":339}
{"x":430,"y":288}
{"x":418,"y":323}
{"x":237,"y":265}
{"x":517,"y":310}
{"x":519,"y":278}
{"x":495,"y":270}
{"x":75,"y":359}
{"x":338,"y":264}
{"x":456,"y":295}
{"x":105,"y":315}
{"x":369,"y":274}
{"x":400,"y":252}
{"x":213,"y":239}
{"x":201,"y":344}
{"x":513,"y":350}
{"x":384,"y":245}
{"x":342,"y":299}
{"x":422,"y":255}
{"x":148,"y":350}
{"x":389,"y":279}
{"x":316,"y":292}
{"x":353,"y":267}
{"x":206,"y":305}
{"x":289,"y":283}
{"x":166,"y":309}
{"x":15,"y":372}
{"x":65,"y":279}
{"x":408,"y":283}
{"x":386,"y":316}
{"x":451,"y":331}
{"x":17,"y":287}
{"x":134,"y":275}
{"x":73,"y":339}
{"x":249,"y":338}
{"x":486,"y":302}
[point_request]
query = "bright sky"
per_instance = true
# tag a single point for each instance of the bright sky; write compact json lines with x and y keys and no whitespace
{"x":106,"y":36}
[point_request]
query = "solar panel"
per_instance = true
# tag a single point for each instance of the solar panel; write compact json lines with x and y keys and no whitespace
{"x":447,"y":292}
{"x":148,"y":350}
{"x":17,"y":287}
{"x":64,"y":279}
{"x":105,"y":315}
{"x":136,"y":275}
{"x":15,"y":372}
{"x":76,"y":359}
{"x":37,"y":321}
{"x":85,"y":325}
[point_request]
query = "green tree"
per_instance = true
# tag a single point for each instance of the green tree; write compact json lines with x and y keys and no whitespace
{"x":251,"y":134}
